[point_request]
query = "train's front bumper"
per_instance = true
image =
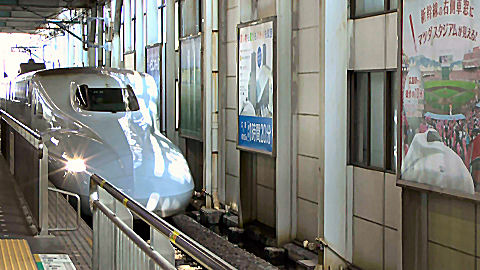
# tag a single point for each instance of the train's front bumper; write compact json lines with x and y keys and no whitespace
{"x":167,"y":206}
{"x":162,"y":206}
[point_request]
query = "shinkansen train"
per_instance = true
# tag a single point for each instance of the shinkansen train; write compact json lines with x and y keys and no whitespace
{"x":102,"y":120}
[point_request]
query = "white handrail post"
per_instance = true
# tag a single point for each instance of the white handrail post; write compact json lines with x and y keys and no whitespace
{"x":11,"y":157}
{"x":94,"y":195}
{"x":43,"y":190}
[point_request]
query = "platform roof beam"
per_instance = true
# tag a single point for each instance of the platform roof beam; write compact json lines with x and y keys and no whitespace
{"x":35,"y":14}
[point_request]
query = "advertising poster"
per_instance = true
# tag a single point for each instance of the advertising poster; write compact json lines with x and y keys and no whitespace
{"x":153,"y":68}
{"x":256,"y":86}
{"x":440,"y":93}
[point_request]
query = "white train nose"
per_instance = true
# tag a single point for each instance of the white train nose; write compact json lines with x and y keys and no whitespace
{"x":165,"y":196}
{"x":165,"y":206}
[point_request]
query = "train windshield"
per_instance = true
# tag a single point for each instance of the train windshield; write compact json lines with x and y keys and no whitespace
{"x":106,"y":99}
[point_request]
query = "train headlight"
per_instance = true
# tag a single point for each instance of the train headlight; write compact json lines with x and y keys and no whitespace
{"x":76,"y":165}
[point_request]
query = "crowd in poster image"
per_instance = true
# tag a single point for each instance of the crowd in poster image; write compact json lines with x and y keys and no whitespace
{"x":458,"y":136}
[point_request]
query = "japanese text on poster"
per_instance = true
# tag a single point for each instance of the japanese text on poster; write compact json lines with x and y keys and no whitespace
{"x":255,"y":86}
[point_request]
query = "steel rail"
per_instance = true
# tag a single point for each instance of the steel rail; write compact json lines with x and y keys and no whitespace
{"x":146,"y":248}
{"x":199,"y":253}
{"x":23,"y":126}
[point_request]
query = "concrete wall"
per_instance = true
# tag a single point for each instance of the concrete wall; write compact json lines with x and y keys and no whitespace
{"x":376,"y":220}
{"x":306,"y":122}
{"x":375,"y":42}
{"x":375,"y":214}
{"x":306,"y":116}
{"x":453,"y":233}
{"x":232,"y":155}
{"x":439,"y":232}
{"x":239,"y":11}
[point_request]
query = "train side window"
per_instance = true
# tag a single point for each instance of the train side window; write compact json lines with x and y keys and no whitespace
{"x":9,"y":91}
{"x":37,"y":104}
{"x":28,"y":94}
{"x":14,"y":91}
{"x":20,"y":91}
{"x":34,"y":102}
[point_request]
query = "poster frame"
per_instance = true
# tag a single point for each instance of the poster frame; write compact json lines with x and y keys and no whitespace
{"x":411,"y":185}
{"x":163,"y":129}
{"x":275,"y":71}
{"x":180,"y":133}
{"x":400,"y":93}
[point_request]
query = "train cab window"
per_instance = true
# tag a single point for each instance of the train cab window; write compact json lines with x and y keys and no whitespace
{"x":81,"y":96}
{"x":20,"y":91}
{"x":106,"y":99}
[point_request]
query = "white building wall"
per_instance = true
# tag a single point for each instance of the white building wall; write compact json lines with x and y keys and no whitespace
{"x":306,"y":110}
{"x":232,"y":155}
{"x":334,"y":74}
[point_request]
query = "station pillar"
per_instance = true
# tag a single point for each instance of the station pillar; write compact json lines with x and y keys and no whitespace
{"x":139,"y":40}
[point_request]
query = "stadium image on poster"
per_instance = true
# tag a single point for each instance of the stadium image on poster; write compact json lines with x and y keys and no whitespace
{"x":440,"y":93}
{"x":256,"y":86}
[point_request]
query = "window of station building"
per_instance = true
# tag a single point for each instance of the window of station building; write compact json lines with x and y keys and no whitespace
{"x":161,"y":21}
{"x":190,"y":81}
{"x":177,"y":105}
{"x":177,"y":19}
{"x":133,"y":25}
{"x":153,"y":33}
{"x":122,"y":40}
{"x":164,"y":24}
{"x":145,"y":26}
{"x":373,"y":103}
{"x":366,"y":8}
{"x":190,"y":73}
{"x":190,"y":16}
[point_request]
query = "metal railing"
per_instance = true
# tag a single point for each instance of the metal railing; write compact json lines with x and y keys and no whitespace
{"x":162,"y":233}
{"x":57,"y":212}
{"x":20,"y":145}
{"x":117,"y":246}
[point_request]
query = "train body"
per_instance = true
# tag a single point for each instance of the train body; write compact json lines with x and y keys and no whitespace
{"x":102,"y":121}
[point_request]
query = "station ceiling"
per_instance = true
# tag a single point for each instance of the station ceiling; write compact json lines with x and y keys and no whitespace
{"x":28,"y":16}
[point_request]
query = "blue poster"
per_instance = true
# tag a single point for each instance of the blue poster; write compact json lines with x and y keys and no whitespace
{"x":255,"y":87}
{"x":255,"y":132}
{"x":153,"y":68}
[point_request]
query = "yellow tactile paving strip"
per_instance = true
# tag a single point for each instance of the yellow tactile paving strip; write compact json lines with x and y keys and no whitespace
{"x":16,"y":254}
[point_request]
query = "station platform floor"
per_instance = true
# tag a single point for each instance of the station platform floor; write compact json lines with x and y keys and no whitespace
{"x":20,"y":248}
